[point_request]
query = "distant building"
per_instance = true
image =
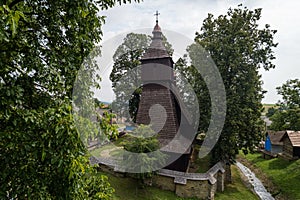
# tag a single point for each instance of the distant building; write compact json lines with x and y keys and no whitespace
{"x":291,"y":144}
{"x":273,"y":143}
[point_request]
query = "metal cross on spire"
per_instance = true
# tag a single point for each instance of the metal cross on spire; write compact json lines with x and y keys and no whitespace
{"x":157,"y":14}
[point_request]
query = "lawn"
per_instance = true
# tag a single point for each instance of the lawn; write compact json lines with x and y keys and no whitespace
{"x":237,"y":190}
{"x":284,"y":174}
{"x":126,"y":188}
{"x":110,"y":149}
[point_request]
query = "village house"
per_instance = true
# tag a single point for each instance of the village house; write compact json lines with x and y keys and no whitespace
{"x":273,"y":145}
{"x":291,"y":145}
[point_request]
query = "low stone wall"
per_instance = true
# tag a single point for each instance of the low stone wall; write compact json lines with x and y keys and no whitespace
{"x":200,"y":185}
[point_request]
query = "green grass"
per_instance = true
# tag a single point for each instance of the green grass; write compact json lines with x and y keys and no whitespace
{"x":269,"y":105}
{"x":111,"y":146}
{"x":284,"y":174}
{"x":126,"y":188}
{"x":97,"y":151}
{"x":237,"y":190}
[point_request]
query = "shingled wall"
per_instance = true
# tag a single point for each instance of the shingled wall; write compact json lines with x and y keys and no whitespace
{"x":156,"y":94}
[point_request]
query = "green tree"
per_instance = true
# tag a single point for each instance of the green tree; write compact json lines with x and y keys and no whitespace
{"x":42,"y":46}
{"x":109,"y":129}
{"x":126,"y":58}
{"x":290,"y":92}
{"x":271,"y":112}
{"x":143,"y":143}
{"x":239,"y":49}
{"x":287,"y":116}
{"x":196,"y":80}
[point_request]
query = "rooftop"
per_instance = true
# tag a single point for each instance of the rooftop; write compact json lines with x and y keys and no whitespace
{"x":294,"y":138}
{"x":276,"y":137}
{"x":156,"y":49}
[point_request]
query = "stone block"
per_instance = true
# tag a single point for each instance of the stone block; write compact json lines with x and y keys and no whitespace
{"x":164,"y":182}
{"x":199,"y":189}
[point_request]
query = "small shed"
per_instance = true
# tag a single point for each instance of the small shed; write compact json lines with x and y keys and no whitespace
{"x":291,"y":144}
{"x":273,"y":143}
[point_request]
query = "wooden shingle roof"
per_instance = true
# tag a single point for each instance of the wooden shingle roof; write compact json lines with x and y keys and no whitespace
{"x":276,"y":137}
{"x":294,"y":138}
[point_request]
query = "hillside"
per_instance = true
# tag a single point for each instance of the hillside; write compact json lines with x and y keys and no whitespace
{"x":285,"y":175}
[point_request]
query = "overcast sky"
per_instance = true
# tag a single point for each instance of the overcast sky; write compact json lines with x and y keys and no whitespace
{"x":186,"y":17}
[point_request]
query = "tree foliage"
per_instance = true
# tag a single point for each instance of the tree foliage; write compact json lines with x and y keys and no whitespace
{"x":143,"y":143}
{"x":42,"y":46}
{"x":126,"y":58}
{"x":271,"y":111}
{"x":290,"y":92}
{"x":109,"y":129}
{"x":287,"y":116}
{"x":239,"y":49}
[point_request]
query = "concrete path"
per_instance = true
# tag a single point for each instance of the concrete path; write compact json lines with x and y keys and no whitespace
{"x":255,"y":182}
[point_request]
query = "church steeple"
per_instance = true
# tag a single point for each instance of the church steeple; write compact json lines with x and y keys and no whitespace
{"x":156,"y":48}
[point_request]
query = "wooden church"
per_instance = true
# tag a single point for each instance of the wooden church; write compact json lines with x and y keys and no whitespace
{"x":158,"y":80}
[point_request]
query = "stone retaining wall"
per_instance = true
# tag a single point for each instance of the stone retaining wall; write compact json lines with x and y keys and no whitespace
{"x":200,"y":185}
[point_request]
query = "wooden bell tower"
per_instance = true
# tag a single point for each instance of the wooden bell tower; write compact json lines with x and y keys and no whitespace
{"x":158,"y":77}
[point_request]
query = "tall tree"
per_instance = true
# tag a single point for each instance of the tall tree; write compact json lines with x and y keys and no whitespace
{"x":287,"y":116}
{"x":42,"y":46}
{"x":290,"y":92}
{"x":126,"y":58}
{"x":239,"y":49}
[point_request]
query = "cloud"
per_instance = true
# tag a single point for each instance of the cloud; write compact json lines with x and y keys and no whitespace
{"x":186,"y":17}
